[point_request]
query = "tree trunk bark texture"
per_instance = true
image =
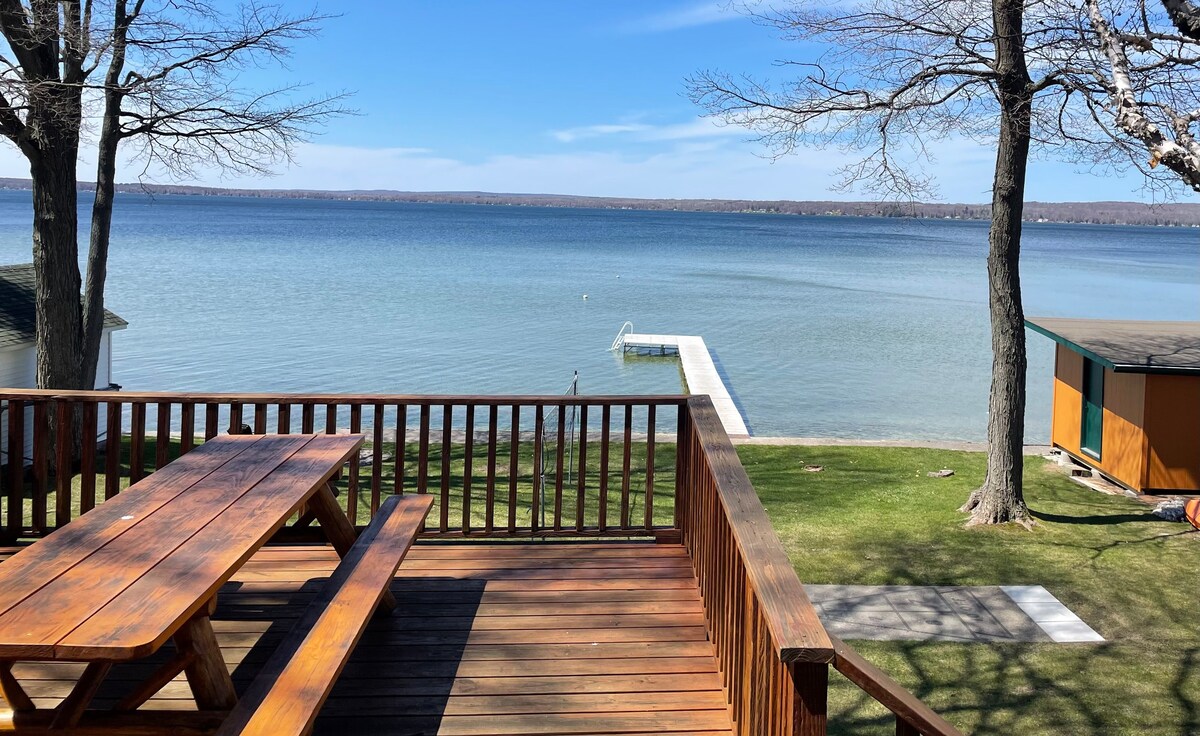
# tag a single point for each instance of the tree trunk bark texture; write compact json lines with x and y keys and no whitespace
{"x":1000,"y":499}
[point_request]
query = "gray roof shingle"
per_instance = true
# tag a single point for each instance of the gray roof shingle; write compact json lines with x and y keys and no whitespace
{"x":1128,"y":346}
{"x":17,"y":310}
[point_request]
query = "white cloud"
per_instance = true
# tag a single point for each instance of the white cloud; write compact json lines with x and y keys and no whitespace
{"x":570,"y":135}
{"x":696,"y":14}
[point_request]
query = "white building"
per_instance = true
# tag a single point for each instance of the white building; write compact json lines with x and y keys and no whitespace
{"x":18,"y":367}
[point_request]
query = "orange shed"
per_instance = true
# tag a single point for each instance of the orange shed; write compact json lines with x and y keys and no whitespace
{"x":1127,"y":399}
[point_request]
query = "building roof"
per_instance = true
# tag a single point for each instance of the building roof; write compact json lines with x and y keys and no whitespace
{"x":1128,"y":346}
{"x":17,"y":310}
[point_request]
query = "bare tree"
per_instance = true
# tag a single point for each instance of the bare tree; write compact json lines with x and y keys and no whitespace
{"x":1185,"y":14}
{"x":162,"y":74}
{"x":890,"y":80}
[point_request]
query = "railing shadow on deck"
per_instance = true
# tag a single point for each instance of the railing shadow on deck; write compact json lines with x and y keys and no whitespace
{"x":660,"y":467}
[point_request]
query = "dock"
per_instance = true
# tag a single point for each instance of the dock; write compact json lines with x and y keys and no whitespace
{"x":699,"y":371}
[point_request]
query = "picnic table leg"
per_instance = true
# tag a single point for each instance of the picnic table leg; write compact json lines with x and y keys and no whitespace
{"x":71,"y":709}
{"x":12,"y":691}
{"x":339,"y":531}
{"x":206,"y":674}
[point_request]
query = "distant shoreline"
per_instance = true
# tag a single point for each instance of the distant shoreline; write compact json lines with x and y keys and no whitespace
{"x":1177,"y":214}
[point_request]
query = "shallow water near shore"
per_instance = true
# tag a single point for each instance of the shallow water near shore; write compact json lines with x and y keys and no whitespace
{"x":824,"y":326}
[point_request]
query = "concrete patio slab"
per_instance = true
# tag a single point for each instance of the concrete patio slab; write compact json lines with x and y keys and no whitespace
{"x":1027,"y":613}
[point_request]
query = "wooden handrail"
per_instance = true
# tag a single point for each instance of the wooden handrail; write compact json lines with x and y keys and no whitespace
{"x":302,"y":399}
{"x":796,"y":631}
{"x":908,"y":709}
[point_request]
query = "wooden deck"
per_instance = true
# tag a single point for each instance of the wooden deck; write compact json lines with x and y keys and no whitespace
{"x":488,"y":639}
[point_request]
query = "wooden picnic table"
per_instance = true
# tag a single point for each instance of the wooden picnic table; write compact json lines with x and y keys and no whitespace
{"x":145,"y":566}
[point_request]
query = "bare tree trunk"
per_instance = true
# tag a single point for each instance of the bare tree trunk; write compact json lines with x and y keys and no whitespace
{"x":1185,"y":14}
{"x":1000,"y":499}
{"x":56,"y":255}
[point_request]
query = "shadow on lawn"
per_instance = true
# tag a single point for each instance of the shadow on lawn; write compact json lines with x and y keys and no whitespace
{"x":1094,"y":520}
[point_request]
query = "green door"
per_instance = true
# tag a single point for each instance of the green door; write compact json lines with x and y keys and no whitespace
{"x":1093,"y":408}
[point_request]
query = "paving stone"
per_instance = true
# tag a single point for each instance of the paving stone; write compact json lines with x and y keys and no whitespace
{"x":1045,"y":611}
{"x":919,"y":599}
{"x":937,"y":625}
{"x":1071,"y":631}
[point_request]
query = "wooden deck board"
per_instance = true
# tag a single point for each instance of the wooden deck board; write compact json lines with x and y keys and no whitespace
{"x":488,"y":640}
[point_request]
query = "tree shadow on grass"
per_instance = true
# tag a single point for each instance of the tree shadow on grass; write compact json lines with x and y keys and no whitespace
{"x":1094,"y":520}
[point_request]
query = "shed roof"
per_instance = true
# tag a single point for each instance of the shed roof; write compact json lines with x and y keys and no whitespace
{"x":1128,"y":346}
{"x":17,"y":310}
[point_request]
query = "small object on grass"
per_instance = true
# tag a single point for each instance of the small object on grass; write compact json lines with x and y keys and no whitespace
{"x":1191,"y":512}
{"x":814,"y":468}
{"x":943,"y":473}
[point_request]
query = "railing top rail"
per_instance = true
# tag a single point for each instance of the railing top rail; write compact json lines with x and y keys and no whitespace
{"x":795,"y":628}
{"x":889,"y":693}
{"x":27,"y":394}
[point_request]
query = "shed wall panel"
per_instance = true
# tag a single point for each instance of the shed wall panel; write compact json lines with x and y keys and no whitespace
{"x":1173,"y":430}
{"x":1068,"y":399}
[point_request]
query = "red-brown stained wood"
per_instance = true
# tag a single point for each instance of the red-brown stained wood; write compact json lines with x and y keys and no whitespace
{"x":605,"y":420}
{"x":352,"y":474}
{"x":539,"y":470}
{"x":162,"y":437}
{"x":514,"y":441}
{"x":376,"y":457}
{"x":627,"y":451}
{"x":137,"y":443}
{"x":87,"y":458}
{"x":651,"y":417}
{"x":260,"y":418}
{"x":235,"y":418}
{"x":307,"y":418}
{"x":41,"y":463}
{"x":284,"y":419}
{"x":295,"y":682}
{"x":206,"y":672}
{"x":211,"y":417}
{"x":331,"y":418}
{"x":559,"y":452}
{"x":16,"y":467}
{"x":401,"y":448}
{"x":490,"y":491}
{"x":581,"y":488}
{"x":11,"y":690}
{"x":64,"y":424}
{"x":444,"y":473}
{"x":112,"y":450}
{"x":187,"y":427}
{"x":468,"y":467}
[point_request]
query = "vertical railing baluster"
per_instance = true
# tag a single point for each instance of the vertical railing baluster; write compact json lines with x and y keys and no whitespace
{"x":162,"y":435}
{"x":376,"y":457}
{"x":559,"y":453}
{"x":308,"y":418}
{"x":137,"y":443}
{"x":513,"y":467}
{"x":113,"y":441}
{"x":260,"y":419}
{"x":444,"y":476}
{"x":212,"y":415}
{"x":352,"y":480}
{"x":468,"y":467}
{"x":283,"y":422}
{"x":539,"y":470}
{"x":64,"y":443}
{"x":627,"y":452}
{"x":490,"y":502}
{"x":400,"y":449}
{"x":187,"y":427}
{"x":602,"y":513}
{"x":236,"y":425}
{"x":423,"y":450}
{"x":41,"y":455}
{"x":16,"y":468}
{"x":331,"y":418}
{"x":87,"y":458}
{"x":650,"y":440}
{"x":581,"y":481}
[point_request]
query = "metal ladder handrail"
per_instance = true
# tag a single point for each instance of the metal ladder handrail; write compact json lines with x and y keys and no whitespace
{"x":619,"y":342}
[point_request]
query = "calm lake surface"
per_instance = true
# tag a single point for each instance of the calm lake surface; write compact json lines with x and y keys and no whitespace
{"x":824,"y":326}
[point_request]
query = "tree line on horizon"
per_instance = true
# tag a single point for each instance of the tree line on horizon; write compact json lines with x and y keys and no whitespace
{"x":1167,"y":214}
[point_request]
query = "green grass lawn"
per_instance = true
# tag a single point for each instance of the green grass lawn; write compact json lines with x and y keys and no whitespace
{"x":874,"y":517}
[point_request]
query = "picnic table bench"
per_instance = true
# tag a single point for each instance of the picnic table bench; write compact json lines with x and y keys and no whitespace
{"x":145,"y":567}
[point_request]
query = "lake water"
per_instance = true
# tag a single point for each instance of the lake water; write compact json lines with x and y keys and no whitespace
{"x":824,"y":326}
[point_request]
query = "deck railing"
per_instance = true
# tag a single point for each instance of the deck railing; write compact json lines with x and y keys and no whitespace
{"x":644,"y":466}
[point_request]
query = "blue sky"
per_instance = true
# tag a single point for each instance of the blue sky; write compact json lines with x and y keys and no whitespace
{"x":564,"y":97}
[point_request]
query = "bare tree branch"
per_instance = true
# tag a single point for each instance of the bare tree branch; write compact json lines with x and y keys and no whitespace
{"x":1186,"y":16}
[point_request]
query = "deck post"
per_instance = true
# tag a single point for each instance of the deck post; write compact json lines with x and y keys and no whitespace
{"x":811,"y":681}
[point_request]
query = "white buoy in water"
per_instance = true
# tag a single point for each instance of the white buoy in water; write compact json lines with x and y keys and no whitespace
{"x":585,"y":297}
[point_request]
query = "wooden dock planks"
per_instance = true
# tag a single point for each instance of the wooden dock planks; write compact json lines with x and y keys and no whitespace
{"x":488,"y":640}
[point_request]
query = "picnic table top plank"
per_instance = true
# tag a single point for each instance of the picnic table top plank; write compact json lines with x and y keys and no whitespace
{"x":179,"y":585}
{"x":155,"y":551}
{"x":33,"y":566}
